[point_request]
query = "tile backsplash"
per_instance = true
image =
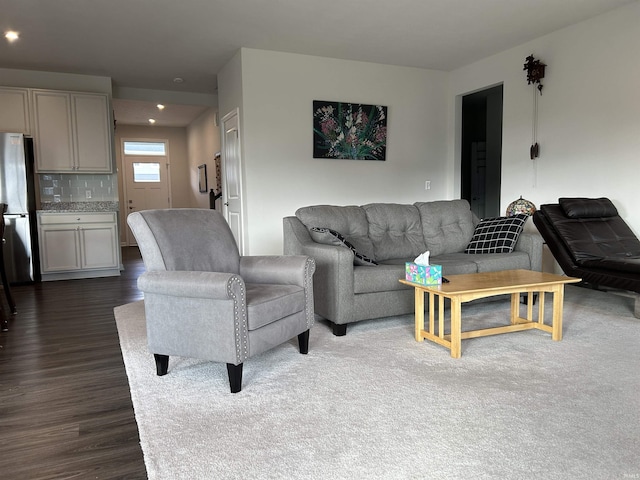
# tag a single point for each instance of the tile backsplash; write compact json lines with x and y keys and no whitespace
{"x":78,"y":188}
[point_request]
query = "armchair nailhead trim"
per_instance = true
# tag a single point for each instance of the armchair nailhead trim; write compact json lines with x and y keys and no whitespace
{"x":308,"y":290}
{"x":239,"y":320}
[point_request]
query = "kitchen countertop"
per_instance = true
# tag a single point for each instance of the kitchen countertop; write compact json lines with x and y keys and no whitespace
{"x":79,"y":207}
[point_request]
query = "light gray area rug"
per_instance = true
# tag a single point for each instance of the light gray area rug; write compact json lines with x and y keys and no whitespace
{"x":376,"y":404}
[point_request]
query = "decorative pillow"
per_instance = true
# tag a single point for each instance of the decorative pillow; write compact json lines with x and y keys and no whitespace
{"x":331,"y":237}
{"x":496,"y":235}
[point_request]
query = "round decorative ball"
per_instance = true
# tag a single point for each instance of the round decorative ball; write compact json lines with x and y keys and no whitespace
{"x":520,"y":205}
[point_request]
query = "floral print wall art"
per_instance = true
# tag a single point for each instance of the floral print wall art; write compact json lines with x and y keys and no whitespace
{"x":349,"y":131}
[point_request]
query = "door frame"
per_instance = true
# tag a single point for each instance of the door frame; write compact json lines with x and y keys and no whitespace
{"x":241,"y":224}
{"x":126,"y":241}
{"x":493,"y":139}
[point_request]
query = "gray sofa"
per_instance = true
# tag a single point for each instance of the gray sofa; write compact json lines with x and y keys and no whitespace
{"x":389,"y":234}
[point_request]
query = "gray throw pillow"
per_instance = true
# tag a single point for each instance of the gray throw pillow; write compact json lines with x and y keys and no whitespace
{"x":497,"y":235}
{"x":327,"y":236}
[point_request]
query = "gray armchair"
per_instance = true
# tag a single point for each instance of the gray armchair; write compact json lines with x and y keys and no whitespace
{"x":203,"y":300}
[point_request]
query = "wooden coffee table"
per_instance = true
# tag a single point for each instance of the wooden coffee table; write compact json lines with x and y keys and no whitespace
{"x":464,"y":288}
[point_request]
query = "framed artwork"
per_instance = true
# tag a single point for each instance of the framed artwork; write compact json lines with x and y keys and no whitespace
{"x":202,"y":178}
{"x":352,"y":131}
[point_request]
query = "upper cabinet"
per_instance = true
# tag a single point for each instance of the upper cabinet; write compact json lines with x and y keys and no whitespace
{"x":72,"y":132}
{"x":52,"y":122}
{"x":14,"y":110}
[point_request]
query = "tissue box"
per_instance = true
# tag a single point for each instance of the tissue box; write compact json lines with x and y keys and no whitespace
{"x":423,"y":274}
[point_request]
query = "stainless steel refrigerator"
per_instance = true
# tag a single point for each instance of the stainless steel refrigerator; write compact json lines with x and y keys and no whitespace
{"x":17,"y":190}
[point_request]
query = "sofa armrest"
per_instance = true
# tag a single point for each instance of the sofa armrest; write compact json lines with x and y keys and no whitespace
{"x":333,"y":279}
{"x":531,"y":243}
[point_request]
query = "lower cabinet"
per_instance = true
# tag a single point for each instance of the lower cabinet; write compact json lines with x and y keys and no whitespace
{"x":78,"y":245}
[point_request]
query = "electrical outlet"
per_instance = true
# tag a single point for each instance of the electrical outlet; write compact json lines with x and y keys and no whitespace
{"x":87,"y":193}
{"x":427,"y":185}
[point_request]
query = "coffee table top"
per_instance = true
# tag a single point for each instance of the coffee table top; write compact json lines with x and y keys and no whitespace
{"x":495,"y":281}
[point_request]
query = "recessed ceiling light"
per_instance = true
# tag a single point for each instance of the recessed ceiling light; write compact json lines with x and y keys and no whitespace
{"x":152,"y":121}
{"x":178,"y":80}
{"x":11,"y":36}
{"x":160,"y":106}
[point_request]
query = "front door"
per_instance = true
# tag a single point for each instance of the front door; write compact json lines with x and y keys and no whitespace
{"x":147,"y":185}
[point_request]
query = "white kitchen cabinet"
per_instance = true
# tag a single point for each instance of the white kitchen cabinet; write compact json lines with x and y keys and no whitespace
{"x":72,"y":132}
{"x":53,"y":126}
{"x":78,"y":245}
{"x":91,"y":128}
{"x":14,"y":110}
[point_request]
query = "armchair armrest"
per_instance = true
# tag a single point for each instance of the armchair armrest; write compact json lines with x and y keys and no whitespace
{"x":212,"y":312}
{"x":277,"y":269}
{"x":212,"y":285}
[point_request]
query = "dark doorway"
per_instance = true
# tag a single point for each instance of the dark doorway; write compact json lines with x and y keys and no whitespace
{"x":481,"y":149}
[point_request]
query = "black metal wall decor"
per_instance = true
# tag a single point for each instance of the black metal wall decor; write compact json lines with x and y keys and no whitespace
{"x":535,"y":73}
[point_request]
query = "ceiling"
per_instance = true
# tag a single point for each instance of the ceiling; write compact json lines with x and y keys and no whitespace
{"x":146,"y":44}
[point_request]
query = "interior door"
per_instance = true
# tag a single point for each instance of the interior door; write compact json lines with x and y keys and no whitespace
{"x":147,"y":185}
{"x":232,"y":175}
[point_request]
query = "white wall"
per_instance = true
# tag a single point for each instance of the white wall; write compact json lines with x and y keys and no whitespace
{"x":589,"y":114}
{"x":277,"y":91}
{"x":203,"y":142}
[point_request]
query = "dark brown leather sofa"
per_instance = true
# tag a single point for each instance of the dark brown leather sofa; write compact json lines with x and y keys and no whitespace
{"x":589,"y":240}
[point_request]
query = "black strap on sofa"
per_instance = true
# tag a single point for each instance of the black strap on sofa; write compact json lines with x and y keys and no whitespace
{"x":589,"y":240}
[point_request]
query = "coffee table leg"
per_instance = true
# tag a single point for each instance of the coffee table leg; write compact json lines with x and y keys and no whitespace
{"x":419,"y":309}
{"x":456,"y":328}
{"x":541,"y":301}
{"x":515,"y":307}
{"x":558,"y":300}
{"x":432,"y":310}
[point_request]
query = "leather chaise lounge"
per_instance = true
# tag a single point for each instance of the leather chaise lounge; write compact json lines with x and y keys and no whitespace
{"x":589,"y":240}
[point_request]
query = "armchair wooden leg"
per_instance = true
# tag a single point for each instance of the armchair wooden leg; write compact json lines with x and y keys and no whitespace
{"x":235,"y":377}
{"x":162,"y":364}
{"x":303,"y":342}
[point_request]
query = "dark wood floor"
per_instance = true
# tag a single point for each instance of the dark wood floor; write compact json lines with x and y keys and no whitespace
{"x":65,"y":406}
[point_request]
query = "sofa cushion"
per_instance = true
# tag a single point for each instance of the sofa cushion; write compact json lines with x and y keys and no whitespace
{"x":455,"y":263}
{"x":395,"y":230}
{"x":496,"y":235}
{"x":349,"y":220}
{"x":494,"y":262}
{"x":331,"y":237}
{"x":447,"y":225}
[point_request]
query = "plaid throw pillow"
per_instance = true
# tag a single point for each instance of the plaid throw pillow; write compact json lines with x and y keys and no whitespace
{"x":331,"y":237}
{"x":496,"y":235}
